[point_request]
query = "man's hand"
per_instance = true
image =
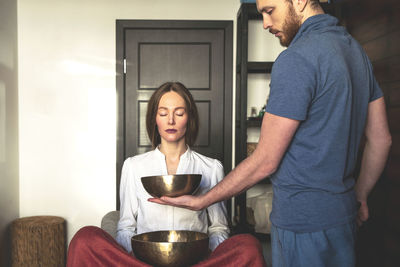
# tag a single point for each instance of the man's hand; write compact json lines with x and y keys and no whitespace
{"x":363,"y":213}
{"x":186,"y":201}
{"x":375,"y":153}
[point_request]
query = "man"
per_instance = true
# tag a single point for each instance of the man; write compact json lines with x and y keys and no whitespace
{"x":323,"y":98}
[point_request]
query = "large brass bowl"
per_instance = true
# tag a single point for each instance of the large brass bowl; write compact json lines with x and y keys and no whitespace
{"x":170,"y":248}
{"x":171,"y":185}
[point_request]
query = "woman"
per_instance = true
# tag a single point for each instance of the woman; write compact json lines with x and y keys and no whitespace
{"x":172,"y":126}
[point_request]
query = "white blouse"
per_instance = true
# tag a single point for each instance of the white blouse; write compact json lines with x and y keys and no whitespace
{"x":137,"y":215}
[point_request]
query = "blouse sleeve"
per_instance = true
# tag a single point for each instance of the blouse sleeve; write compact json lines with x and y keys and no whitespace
{"x":129,"y":207}
{"x":218,"y":230}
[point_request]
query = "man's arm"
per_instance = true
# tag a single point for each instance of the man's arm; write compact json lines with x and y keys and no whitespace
{"x":378,"y":142}
{"x":276,"y":135}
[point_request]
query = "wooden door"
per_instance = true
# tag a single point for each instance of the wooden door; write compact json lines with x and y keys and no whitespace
{"x":196,"y":53}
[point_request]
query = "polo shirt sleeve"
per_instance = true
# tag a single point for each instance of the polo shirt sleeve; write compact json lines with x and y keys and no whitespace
{"x":375,"y":89}
{"x":293,"y":85}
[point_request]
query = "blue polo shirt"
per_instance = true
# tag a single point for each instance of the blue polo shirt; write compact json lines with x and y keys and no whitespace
{"x":325,"y":80}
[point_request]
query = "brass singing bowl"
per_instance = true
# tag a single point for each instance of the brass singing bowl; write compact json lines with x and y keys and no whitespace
{"x":171,"y":185}
{"x":170,"y":248}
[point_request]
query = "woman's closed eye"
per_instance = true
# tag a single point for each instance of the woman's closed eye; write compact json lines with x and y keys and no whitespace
{"x":180,"y":112}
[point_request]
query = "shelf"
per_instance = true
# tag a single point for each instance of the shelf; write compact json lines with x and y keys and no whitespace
{"x":266,"y":180}
{"x":259,"y":67}
{"x":252,"y":13}
{"x":249,"y":10}
{"x":249,"y":229}
{"x":254,"y":122}
{"x":262,"y":236}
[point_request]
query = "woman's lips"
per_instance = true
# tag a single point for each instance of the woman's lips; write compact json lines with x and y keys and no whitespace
{"x":171,"y":131}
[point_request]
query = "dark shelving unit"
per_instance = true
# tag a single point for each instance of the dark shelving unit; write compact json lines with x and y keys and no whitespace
{"x":254,"y":122}
{"x":247,"y":11}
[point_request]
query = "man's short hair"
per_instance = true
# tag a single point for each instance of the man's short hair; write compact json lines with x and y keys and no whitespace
{"x":313,"y":3}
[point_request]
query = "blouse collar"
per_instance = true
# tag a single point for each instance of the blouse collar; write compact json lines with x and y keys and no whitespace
{"x":184,"y":156}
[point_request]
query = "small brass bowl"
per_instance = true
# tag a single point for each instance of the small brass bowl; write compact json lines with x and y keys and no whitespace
{"x":171,"y":185}
{"x":170,"y":248}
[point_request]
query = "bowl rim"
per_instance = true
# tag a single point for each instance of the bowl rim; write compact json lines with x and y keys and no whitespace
{"x":170,"y":175}
{"x":206,"y":236}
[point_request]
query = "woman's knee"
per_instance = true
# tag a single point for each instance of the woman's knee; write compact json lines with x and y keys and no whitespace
{"x":87,"y":231}
{"x":248,"y":240}
{"x":84,"y":236}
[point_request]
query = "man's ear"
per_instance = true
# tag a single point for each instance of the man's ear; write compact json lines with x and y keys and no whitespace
{"x":300,"y":5}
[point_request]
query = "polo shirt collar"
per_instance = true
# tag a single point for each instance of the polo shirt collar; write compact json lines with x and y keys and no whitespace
{"x":315,"y":23}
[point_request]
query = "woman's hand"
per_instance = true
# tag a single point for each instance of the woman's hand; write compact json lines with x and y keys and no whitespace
{"x":186,"y":201}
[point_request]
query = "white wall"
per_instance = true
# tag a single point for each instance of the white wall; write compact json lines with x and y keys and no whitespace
{"x":67,"y":99}
{"x":262,"y":46}
{"x":9,"y":191}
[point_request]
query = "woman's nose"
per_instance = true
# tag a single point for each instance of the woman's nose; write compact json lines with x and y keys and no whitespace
{"x":171,"y":119}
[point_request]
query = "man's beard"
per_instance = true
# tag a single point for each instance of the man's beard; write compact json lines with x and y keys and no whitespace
{"x":290,"y":27}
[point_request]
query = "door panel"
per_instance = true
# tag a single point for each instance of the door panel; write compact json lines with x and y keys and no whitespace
{"x":188,"y":63}
{"x":196,"y":53}
{"x":180,"y":57}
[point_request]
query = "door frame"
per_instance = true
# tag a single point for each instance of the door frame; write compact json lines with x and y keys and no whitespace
{"x":121,"y":27}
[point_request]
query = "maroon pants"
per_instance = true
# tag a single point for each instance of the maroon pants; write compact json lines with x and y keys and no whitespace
{"x":92,"y":246}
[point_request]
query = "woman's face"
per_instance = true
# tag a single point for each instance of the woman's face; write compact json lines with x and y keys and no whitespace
{"x":171,"y":117}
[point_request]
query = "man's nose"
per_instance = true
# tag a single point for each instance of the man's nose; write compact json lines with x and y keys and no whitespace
{"x":266,"y":21}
